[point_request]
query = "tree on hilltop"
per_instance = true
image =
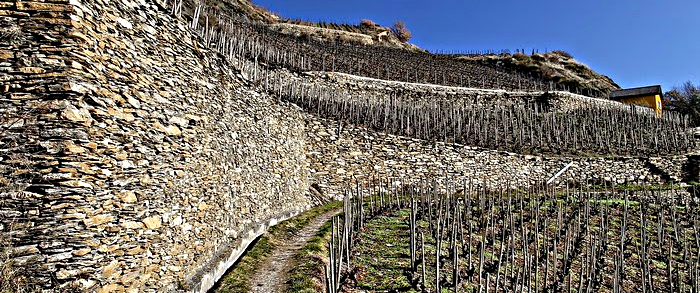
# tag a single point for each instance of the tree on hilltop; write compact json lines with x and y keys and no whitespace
{"x":401,"y":32}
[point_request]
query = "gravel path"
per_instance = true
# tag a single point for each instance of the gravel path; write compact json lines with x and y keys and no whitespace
{"x":271,"y":276}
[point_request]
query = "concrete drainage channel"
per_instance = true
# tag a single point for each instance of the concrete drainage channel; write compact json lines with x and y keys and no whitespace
{"x":235,"y":263}
{"x":213,"y":271}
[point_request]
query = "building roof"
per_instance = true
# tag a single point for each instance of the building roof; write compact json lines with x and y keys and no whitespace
{"x":636,"y":92}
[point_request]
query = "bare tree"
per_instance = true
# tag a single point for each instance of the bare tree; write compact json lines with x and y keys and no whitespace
{"x":685,"y":99}
{"x":401,"y":32}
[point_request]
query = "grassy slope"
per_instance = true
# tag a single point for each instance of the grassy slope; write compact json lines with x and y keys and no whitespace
{"x":382,"y":255}
{"x":556,"y":66}
{"x":237,"y":280}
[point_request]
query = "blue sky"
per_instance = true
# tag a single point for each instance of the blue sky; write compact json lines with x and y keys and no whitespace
{"x":635,"y":42}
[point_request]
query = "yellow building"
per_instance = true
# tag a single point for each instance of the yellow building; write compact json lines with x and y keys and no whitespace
{"x":649,"y":96}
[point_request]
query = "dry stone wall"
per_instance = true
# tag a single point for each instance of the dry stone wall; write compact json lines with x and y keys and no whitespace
{"x":379,"y":90}
{"x":344,"y":155}
{"x":134,"y":158}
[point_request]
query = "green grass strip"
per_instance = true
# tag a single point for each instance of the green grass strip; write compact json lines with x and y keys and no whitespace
{"x":308,"y":277}
{"x":238,"y":279}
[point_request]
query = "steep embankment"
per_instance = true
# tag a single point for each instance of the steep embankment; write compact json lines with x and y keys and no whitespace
{"x":134,"y":157}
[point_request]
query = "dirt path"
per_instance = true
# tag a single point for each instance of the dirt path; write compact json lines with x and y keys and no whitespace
{"x":271,"y":276}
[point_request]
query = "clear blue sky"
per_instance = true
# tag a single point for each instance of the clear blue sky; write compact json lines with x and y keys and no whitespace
{"x":635,"y":42}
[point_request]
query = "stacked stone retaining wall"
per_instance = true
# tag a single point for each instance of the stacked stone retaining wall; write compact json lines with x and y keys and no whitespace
{"x":344,"y":155}
{"x":133,"y":157}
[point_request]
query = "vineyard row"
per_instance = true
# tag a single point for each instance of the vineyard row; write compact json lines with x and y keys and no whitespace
{"x":462,"y":239}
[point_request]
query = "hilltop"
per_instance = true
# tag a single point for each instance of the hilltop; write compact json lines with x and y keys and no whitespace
{"x":365,"y":32}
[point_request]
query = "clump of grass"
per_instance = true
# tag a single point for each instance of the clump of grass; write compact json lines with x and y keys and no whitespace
{"x":14,"y":279}
{"x":562,"y":54}
{"x":238,"y":279}
{"x":7,"y":272}
{"x":381,"y":263}
{"x":10,"y":31}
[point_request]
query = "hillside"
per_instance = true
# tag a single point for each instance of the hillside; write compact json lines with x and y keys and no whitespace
{"x":231,"y":8}
{"x":557,"y":67}
{"x":365,"y":33}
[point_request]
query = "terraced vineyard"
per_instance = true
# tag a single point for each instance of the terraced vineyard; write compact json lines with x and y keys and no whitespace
{"x":234,"y":35}
{"x":418,"y":238}
{"x":261,"y":52}
{"x":531,"y":127}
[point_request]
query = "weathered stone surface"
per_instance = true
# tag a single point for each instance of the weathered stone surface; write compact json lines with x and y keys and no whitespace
{"x":152,"y":222}
{"x":128,"y":197}
{"x":42,"y":6}
{"x":132,"y":225}
{"x":169,"y":130}
{"x":110,"y":269}
{"x":98,"y":220}
{"x":81,"y":252}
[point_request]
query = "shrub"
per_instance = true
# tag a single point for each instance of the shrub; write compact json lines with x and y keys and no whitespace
{"x":343,"y":38}
{"x":366,"y":23}
{"x":577,"y":68}
{"x":520,"y":56}
{"x":537,"y":57}
{"x":562,"y":54}
{"x":401,"y":32}
{"x":548,"y":72}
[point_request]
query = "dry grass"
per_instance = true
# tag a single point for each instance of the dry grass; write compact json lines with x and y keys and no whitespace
{"x":13,"y":279}
{"x":562,"y":54}
{"x":556,"y":66}
{"x":9,"y":30}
